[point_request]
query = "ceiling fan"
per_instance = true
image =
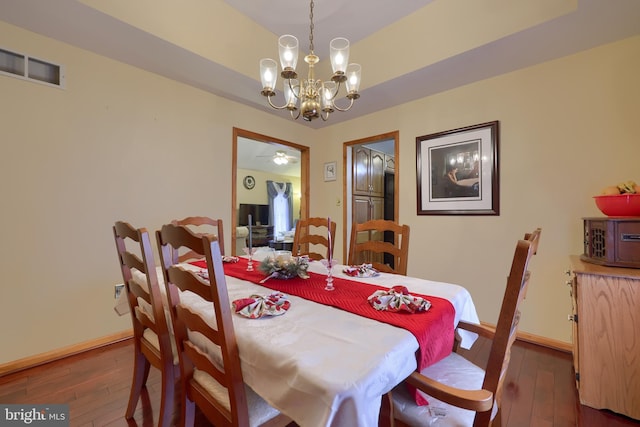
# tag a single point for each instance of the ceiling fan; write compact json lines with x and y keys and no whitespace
{"x":282,"y":158}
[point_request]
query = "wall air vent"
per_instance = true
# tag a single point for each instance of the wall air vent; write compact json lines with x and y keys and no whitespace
{"x":25,"y":67}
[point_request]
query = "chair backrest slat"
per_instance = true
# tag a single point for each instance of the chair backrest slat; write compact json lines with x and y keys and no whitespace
{"x":201,"y":225}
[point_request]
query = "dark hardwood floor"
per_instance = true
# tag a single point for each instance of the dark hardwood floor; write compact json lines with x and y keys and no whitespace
{"x":540,"y":389}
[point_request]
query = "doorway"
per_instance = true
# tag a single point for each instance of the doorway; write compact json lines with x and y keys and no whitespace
{"x":259,"y":159}
{"x":371,"y":190}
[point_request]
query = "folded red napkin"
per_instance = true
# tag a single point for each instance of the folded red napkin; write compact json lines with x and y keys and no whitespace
{"x":396,"y":299}
{"x":256,"y":306}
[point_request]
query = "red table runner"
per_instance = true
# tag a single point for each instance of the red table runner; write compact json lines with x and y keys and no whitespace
{"x":433,"y":329}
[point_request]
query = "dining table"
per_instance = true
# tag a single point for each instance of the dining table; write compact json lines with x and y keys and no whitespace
{"x":322,"y":365}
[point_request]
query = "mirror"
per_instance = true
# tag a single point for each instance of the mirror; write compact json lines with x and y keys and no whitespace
{"x":256,"y":160}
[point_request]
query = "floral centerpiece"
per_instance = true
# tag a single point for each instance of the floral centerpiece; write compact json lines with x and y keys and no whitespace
{"x":284,"y":267}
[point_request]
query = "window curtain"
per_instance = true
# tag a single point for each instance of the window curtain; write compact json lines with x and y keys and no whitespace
{"x":280,"y":206}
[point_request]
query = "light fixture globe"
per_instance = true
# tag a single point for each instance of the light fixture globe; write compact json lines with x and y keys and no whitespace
{"x":311,"y":98}
{"x":268,"y":75}
{"x":353,"y":80}
{"x":288,"y":49}
{"x":339,"y":55}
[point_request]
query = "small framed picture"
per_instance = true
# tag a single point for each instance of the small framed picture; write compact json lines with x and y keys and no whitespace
{"x":330,"y":171}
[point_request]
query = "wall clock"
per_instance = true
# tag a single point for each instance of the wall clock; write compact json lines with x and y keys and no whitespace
{"x":249,"y":182}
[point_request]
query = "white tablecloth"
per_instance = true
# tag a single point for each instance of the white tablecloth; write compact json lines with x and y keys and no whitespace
{"x":323,"y":366}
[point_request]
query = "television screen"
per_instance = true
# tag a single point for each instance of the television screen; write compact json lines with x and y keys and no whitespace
{"x":259,"y":214}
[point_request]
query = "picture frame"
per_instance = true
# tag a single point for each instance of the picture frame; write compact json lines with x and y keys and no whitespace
{"x":457,"y":171}
{"x":330,"y":171}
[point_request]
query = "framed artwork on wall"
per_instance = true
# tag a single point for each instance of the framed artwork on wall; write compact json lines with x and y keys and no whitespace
{"x":457,"y":171}
{"x":330,"y":171}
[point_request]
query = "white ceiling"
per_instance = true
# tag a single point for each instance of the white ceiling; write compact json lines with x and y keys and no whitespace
{"x":256,"y":155}
{"x":593,"y":23}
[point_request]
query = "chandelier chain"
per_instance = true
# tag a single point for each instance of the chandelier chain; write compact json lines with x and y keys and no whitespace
{"x":311,"y":28}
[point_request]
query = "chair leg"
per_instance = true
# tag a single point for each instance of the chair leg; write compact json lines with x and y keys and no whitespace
{"x":168,"y":397}
{"x":188,"y":410}
{"x":140,"y":374}
{"x":497,"y":420}
{"x":386,"y":412}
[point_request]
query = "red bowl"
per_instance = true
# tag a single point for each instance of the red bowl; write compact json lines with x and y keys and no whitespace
{"x":619,"y":205}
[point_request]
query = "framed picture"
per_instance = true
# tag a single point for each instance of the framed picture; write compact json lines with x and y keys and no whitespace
{"x":330,"y":171}
{"x":457,"y":171}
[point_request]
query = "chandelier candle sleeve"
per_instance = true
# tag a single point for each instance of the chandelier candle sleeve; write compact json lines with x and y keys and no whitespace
{"x":250,"y":241}
{"x":329,"y":238}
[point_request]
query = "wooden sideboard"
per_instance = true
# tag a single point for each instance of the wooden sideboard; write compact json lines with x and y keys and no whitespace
{"x":606,"y":336}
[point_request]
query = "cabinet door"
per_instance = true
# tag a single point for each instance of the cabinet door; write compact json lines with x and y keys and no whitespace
{"x":376,"y":173}
{"x":361,"y":162}
{"x":361,"y":213}
{"x":608,"y":329}
{"x":366,"y":208}
{"x":361,"y":209}
{"x":573,"y":291}
{"x":389,"y":163}
{"x":377,"y":212}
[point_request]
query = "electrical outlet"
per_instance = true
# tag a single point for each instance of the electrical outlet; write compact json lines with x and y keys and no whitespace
{"x":117,"y":290}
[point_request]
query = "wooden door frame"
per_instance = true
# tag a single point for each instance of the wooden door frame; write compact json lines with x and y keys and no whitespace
{"x":304,"y":174}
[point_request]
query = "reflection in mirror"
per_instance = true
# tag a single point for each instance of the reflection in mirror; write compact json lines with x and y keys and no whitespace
{"x":268,"y":192}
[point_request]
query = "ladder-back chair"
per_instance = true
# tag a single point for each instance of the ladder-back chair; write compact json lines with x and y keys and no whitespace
{"x":464,"y":393}
{"x":211,"y":374}
{"x":152,"y":335}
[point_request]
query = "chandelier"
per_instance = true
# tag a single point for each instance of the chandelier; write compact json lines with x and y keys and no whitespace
{"x":309,"y":97}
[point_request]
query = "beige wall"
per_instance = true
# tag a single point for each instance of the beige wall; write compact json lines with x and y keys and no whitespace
{"x":118,"y":144}
{"x":567,"y":129}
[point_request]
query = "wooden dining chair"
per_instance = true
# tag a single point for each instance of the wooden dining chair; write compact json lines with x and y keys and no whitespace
{"x":313,"y":231}
{"x":382,"y":243}
{"x":462,"y":392}
{"x":153,"y":341}
{"x":211,"y":374}
{"x":201,"y":225}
